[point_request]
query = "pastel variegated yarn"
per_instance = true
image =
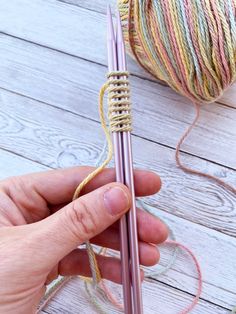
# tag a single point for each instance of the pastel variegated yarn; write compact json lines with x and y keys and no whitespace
{"x":191,"y":45}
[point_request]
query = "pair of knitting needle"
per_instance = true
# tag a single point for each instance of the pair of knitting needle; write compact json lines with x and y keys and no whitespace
{"x":124,"y":173}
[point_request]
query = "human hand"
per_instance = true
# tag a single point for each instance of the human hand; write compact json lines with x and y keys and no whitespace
{"x":40,"y":230}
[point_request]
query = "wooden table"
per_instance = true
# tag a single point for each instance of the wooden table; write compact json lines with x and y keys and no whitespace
{"x":53,"y":62}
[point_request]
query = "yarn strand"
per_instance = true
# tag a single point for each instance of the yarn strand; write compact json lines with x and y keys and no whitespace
{"x":188,"y":44}
{"x":118,"y":99}
{"x":192,"y":305}
{"x":120,"y":120}
{"x":190,"y":170}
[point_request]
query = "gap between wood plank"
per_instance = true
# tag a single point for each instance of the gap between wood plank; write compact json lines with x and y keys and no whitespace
{"x":97,"y":122}
{"x":135,"y":135}
{"x":80,"y":6}
{"x":183,"y":295}
{"x":155,"y":81}
{"x":68,"y":2}
{"x":26,"y":158}
{"x":181,"y":290}
{"x":140,"y":81}
{"x":178,"y":272}
{"x":69,"y":111}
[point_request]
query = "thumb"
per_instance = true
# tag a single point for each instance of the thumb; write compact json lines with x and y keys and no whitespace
{"x":82,"y":219}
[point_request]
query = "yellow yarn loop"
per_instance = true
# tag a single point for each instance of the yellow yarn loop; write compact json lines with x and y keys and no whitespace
{"x":119,"y":116}
{"x":92,"y":257}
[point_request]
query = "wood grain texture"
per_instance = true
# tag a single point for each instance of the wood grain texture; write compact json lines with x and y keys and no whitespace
{"x":97,"y":6}
{"x":183,"y":274}
{"x":50,"y":136}
{"x":229,"y":97}
{"x":100,"y":6}
{"x":71,"y":29}
{"x":38,"y":73}
{"x":54,"y":69}
{"x":14,"y":165}
{"x":217,"y":266}
{"x":158,"y":298}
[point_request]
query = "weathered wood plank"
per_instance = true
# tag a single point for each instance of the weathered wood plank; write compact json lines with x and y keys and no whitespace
{"x":97,"y":6}
{"x":183,"y":274}
{"x":69,"y":28}
{"x":159,"y":114}
{"x":72,"y":29}
{"x":100,"y":6}
{"x":50,"y":136}
{"x":217,"y":269}
{"x":56,"y":138}
{"x":158,"y":298}
{"x":14,"y":165}
{"x":218,"y":275}
{"x":229,"y":97}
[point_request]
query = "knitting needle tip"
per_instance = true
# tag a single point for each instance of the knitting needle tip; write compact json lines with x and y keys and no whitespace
{"x":120,"y":44}
{"x":119,"y":33}
{"x":110,"y":28}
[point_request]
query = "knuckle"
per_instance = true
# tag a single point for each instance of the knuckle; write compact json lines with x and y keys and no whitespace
{"x":6,"y":184}
{"x":82,"y":220}
{"x":13,"y":185}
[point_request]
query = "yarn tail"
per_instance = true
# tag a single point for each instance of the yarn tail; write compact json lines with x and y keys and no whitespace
{"x":52,"y":292}
{"x":193,"y":171}
{"x":190,"y":307}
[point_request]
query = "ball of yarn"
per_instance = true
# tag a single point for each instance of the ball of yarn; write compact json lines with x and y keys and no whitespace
{"x":189,"y":44}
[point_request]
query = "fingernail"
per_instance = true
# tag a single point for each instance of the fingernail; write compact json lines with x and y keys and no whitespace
{"x":116,"y":200}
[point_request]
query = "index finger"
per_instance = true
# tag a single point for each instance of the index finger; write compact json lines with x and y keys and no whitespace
{"x":58,"y":186}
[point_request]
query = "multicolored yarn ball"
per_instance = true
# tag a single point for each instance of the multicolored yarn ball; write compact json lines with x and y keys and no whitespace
{"x":189,"y":44}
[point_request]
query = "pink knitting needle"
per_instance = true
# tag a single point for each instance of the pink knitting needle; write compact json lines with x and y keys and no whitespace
{"x":129,"y":181}
{"x":117,"y":144}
